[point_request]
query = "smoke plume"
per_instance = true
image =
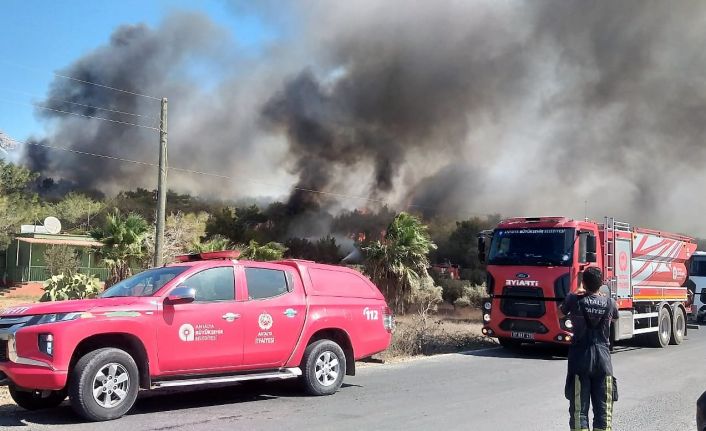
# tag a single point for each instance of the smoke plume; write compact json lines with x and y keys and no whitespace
{"x":456,"y":107}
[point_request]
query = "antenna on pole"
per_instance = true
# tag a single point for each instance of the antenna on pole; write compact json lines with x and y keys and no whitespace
{"x":585,"y":210}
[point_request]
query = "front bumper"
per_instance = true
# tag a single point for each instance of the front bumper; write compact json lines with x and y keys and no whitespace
{"x":26,"y":372}
{"x":556,"y":337}
{"x":32,"y":377}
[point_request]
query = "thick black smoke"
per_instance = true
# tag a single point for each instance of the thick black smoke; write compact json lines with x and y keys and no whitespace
{"x":524,"y":107}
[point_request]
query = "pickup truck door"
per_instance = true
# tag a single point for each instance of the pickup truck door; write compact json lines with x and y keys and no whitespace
{"x":206,"y":334}
{"x":274,"y":312}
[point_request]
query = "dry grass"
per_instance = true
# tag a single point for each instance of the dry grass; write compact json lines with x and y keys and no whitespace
{"x":449,"y":331}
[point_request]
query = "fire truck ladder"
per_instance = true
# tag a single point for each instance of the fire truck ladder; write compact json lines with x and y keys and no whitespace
{"x":610,"y":227}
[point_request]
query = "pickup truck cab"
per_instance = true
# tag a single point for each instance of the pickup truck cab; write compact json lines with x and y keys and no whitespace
{"x":206,"y":319}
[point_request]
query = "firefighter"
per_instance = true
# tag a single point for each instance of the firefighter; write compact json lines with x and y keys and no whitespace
{"x":589,"y":379}
{"x":701,"y":413}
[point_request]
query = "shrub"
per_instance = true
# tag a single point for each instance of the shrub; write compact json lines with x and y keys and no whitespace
{"x":462,"y":302}
{"x":61,"y":259}
{"x":413,"y":337}
{"x":76,"y":286}
{"x":425,"y":296}
{"x":453,"y":289}
{"x":475,"y":295}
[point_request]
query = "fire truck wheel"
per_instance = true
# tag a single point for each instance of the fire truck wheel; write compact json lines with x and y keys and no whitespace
{"x":37,"y":400}
{"x":678,"y":326}
{"x":664,"y":332}
{"x":323,"y":368}
{"x":104,"y":384}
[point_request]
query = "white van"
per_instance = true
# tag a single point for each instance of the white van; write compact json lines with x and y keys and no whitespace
{"x":697,"y":284}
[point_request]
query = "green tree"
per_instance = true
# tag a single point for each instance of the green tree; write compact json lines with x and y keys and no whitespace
{"x":181,"y":232}
{"x":398,"y":264}
{"x":123,"y":244}
{"x":17,"y":204}
{"x":265,"y":252}
{"x":461,"y":247}
{"x":76,"y":209}
{"x":61,"y":259}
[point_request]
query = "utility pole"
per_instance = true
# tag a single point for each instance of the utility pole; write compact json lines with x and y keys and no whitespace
{"x":161,"y":187}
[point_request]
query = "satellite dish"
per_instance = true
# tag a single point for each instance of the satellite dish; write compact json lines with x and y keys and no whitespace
{"x":52,"y":225}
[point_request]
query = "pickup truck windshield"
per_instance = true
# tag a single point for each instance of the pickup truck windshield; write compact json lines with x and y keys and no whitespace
{"x":537,"y":247}
{"x":145,"y":283}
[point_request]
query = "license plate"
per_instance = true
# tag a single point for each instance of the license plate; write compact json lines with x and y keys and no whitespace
{"x":522,"y":335}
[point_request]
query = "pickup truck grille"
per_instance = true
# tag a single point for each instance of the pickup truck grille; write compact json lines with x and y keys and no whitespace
{"x":523,"y":304}
{"x":3,"y":350}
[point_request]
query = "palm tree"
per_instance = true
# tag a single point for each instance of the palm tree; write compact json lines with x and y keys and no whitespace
{"x":398,"y":264}
{"x":215,"y":243}
{"x":123,"y":244}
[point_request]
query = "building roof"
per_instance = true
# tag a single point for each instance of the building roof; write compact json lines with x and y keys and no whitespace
{"x":75,"y":240}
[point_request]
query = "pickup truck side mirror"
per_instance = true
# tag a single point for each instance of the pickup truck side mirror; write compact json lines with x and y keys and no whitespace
{"x":481,"y":249}
{"x":181,"y":295}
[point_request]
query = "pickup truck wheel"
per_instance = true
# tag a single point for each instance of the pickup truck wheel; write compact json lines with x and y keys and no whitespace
{"x":104,"y":384}
{"x":324,"y":366}
{"x":37,"y":400}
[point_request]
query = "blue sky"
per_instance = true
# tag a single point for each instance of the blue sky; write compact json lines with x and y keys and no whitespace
{"x":38,"y":37}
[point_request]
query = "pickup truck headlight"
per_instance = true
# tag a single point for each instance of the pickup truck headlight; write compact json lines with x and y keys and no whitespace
{"x":52,"y":318}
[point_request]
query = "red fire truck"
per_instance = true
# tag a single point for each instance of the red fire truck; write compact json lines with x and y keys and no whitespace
{"x":534,"y":262}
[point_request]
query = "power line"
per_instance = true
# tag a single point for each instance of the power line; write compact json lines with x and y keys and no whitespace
{"x":82,"y":80}
{"x":81,"y":115}
{"x":85,"y":153}
{"x":221,"y":176}
{"x":151,"y":117}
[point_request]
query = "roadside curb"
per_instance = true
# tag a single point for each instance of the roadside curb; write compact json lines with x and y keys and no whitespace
{"x":420,"y":358}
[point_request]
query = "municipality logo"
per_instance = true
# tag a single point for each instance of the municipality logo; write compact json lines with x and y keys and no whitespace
{"x":265,"y":321}
{"x":186,"y":332}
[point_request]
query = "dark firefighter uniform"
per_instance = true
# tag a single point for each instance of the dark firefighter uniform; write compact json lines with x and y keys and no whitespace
{"x":590,"y":371}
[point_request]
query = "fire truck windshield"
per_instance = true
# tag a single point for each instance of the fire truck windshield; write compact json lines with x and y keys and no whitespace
{"x":536,"y":246}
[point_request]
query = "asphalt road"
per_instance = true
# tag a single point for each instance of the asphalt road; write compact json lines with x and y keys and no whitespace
{"x":486,"y":390}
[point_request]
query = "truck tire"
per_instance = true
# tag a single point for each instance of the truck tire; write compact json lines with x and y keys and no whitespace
{"x":323,"y":368}
{"x":678,"y":326}
{"x":37,"y":400}
{"x":104,"y":384}
{"x":664,"y":332}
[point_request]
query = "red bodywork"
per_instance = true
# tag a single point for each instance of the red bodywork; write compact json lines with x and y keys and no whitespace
{"x":196,"y":338}
{"x":641,"y":267}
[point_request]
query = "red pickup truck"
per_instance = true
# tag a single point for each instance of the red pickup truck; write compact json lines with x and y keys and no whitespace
{"x":206,"y":319}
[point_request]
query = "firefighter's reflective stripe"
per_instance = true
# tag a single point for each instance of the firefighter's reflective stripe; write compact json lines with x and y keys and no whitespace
{"x":577,"y":405}
{"x":608,"y":405}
